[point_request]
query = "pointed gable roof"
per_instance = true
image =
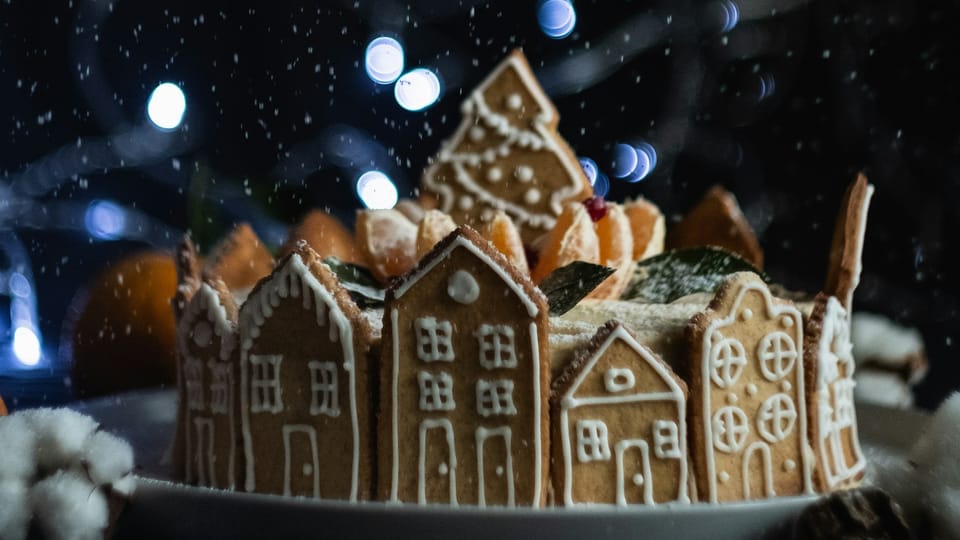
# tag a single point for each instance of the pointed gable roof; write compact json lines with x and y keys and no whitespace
{"x":214,"y":303}
{"x":188,"y":274}
{"x":466,"y":238}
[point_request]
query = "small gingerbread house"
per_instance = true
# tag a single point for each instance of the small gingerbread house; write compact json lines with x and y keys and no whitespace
{"x":619,"y":425}
{"x":304,"y":380}
{"x":207,"y":339}
{"x":464,"y":381}
{"x":747,"y":400}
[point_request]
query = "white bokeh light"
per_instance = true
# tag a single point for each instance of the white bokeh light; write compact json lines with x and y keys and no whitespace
{"x":26,"y":346}
{"x":384,"y":60}
{"x":417,"y":89}
{"x":557,"y":18}
{"x":376,"y":190}
{"x":166,"y":106}
{"x":105,"y":220}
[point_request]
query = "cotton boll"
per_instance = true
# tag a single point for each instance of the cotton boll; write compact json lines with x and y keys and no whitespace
{"x":14,"y":510}
{"x":107,"y":458}
{"x":935,"y":453}
{"x":68,"y":507}
{"x":17,"y":442}
{"x":61,"y":434}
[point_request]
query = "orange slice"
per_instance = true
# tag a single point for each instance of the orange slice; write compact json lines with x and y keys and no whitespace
{"x":503,"y":234}
{"x":325,"y":234}
{"x":387,"y":242}
{"x":647,"y":226}
{"x":573,"y":238}
{"x":411,"y":209}
{"x":616,"y":251}
{"x":434,"y":227}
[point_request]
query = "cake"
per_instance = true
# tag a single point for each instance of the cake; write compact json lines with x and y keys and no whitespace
{"x":492,"y":344}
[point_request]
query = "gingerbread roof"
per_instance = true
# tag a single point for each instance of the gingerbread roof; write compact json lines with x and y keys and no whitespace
{"x":214,"y":303}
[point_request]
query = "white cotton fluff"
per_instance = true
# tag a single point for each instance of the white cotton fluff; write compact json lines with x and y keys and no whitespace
{"x":935,"y":452}
{"x":61,"y":434}
{"x":69,"y":507}
{"x":882,"y":389}
{"x":107,"y":458}
{"x":877,"y":337}
{"x":943,"y":507}
{"x":14,"y":510}
{"x":17,"y":443}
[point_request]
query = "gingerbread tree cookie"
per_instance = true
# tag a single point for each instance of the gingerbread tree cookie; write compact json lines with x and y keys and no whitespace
{"x":506,"y":155}
{"x":843,"y":273}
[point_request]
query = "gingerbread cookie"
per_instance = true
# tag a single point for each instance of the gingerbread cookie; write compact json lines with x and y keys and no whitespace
{"x":843,"y":272}
{"x":240,"y":260}
{"x":188,"y":267}
{"x":831,"y":415}
{"x":464,"y":381}
{"x":506,"y":155}
{"x":207,"y":363}
{"x":748,"y":419}
{"x":717,"y":221}
{"x":305,"y":384}
{"x":619,"y":425}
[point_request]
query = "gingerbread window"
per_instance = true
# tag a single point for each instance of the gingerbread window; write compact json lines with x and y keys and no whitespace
{"x":666,"y":439}
{"x":436,"y":391}
{"x":496,"y":346}
{"x":265,"y":383}
{"x":495,"y":397}
{"x":592,"y":444}
{"x":433,"y":340}
{"x":323,"y":388}
{"x":844,"y":403}
{"x":193,"y":376}
{"x":219,"y":387}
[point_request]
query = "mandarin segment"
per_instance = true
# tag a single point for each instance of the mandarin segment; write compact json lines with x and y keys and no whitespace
{"x":616,"y":251}
{"x":434,"y":227}
{"x":387,"y":242}
{"x":504,"y":235}
{"x":325,"y":234}
{"x":648,"y":228}
{"x":573,"y":238}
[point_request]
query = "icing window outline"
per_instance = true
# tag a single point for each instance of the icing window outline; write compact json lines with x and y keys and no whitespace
{"x":666,"y":439}
{"x":433,"y":340}
{"x":219,"y":387}
{"x":436,"y":391}
{"x":265,"y":391}
{"x":496,"y":346}
{"x":324,"y":392}
{"x":776,"y":417}
{"x":730,"y":429}
{"x":727,"y":359}
{"x":592,"y":443}
{"x":618,"y":379}
{"x":778,"y":353}
{"x":193,"y":377}
{"x":495,"y":397}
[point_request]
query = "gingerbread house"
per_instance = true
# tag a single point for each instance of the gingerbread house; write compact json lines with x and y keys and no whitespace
{"x":208,"y":373}
{"x":464,"y":381}
{"x":619,"y":424}
{"x":747,"y":399}
{"x":305,"y":388}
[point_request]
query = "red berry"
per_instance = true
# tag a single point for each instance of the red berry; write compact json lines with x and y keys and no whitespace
{"x":596,"y":207}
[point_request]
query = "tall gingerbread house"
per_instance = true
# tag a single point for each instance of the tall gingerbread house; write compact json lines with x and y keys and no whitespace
{"x":748,"y":405}
{"x":464,"y":381}
{"x":305,"y":384}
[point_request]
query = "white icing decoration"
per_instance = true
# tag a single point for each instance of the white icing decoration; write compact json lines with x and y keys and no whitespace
{"x":465,"y":203}
{"x":571,"y":400}
{"x":482,"y":435}
{"x":789,"y":465}
{"x":193,"y":381}
{"x":462,"y":287}
{"x":777,"y":352}
{"x":433,"y":340}
{"x":496,"y":346}
{"x":324,"y":390}
{"x":786,"y":322}
{"x":514,"y":102}
{"x":732,"y":398}
{"x":495,"y":397}
{"x":266,"y":394}
{"x":592,"y":443}
{"x":532,"y":196}
{"x":746,"y":314}
{"x":638,"y":479}
{"x":767,"y":469}
{"x":477,"y":133}
{"x":443,"y":469}
{"x":307,"y":469}
{"x":202,"y":333}
{"x":786,"y":386}
{"x":666,"y":440}
{"x":221,"y":387}
{"x":486,"y":215}
{"x":730,"y":429}
{"x":295,"y":280}
{"x":425,"y":425}
{"x":752,"y":389}
{"x":621,"y":449}
{"x":494,"y":174}
{"x":776,"y":418}
{"x":524,"y":173}
{"x":288,"y":467}
{"x":205,"y":467}
{"x":618,"y":380}
{"x":436,"y":391}
{"x":723,"y":476}
{"x":727,"y":359}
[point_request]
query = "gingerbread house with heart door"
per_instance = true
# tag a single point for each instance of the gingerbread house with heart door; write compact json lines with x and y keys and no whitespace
{"x":464,"y":381}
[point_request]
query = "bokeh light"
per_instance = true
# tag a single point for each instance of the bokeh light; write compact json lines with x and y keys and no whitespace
{"x":599,"y":181}
{"x":557,"y":18}
{"x":417,"y":89}
{"x":731,"y":14}
{"x":105,"y":220}
{"x":26,"y":346}
{"x":19,"y":285}
{"x":166,"y":106}
{"x":633,"y":163}
{"x":376,"y":190}
{"x":384,"y":60}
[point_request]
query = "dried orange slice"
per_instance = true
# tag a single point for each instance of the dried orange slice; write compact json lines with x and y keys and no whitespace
{"x":387,"y":241}
{"x":504,"y":235}
{"x":325,"y":234}
{"x":573,"y":238}
{"x":616,"y":251}
{"x":647,"y":226}
{"x":434,"y":227}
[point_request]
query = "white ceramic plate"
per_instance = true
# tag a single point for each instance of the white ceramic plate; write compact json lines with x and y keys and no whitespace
{"x":162,"y":509}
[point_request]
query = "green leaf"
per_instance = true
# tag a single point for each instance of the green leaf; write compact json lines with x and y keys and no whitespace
{"x":673,"y":274}
{"x":358,"y":281}
{"x":569,"y":284}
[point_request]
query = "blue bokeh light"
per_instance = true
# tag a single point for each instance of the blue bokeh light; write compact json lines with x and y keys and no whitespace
{"x":731,"y":15}
{"x":166,"y":106}
{"x":105,"y":220}
{"x":417,"y":89}
{"x":376,"y":190}
{"x":557,"y":18}
{"x":590,"y":169}
{"x":26,"y":346}
{"x":633,"y":163}
{"x":384,"y":60}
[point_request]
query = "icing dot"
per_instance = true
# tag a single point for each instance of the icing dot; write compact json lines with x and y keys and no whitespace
{"x":731,"y":398}
{"x":443,"y":469}
{"x":202,"y":333}
{"x":514,"y":102}
{"x":463,"y":287}
{"x":494,"y":174}
{"x":747,"y":313}
{"x":532,"y":196}
{"x":786,"y":386}
{"x":638,"y":479}
{"x":751,"y":389}
{"x":465,"y":202}
{"x":307,"y":469}
{"x":489,"y":155}
{"x":787,"y":322}
{"x":503,"y":150}
{"x":524,"y":173}
{"x":473,"y":160}
{"x":723,"y":476}
{"x":499,"y":470}
{"x":789,"y":465}
{"x":486,"y":215}
{"x":477,"y":133}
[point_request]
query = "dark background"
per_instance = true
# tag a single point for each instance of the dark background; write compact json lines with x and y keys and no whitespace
{"x":782,"y":108}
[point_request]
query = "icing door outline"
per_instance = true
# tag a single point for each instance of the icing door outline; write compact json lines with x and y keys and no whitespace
{"x":635,"y":480}
{"x":766,"y":469}
{"x":445,"y":471}
{"x":299,"y":472}
{"x":503,"y":468}
{"x":204,"y":455}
